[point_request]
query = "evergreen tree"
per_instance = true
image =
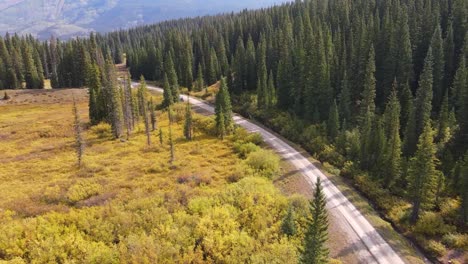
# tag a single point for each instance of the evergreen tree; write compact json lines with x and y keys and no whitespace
{"x":171,"y":141}
{"x":79,"y":142}
{"x":423,"y":173}
{"x":271,"y":92}
{"x":368,"y":94}
{"x":345,"y":103}
{"x":443,"y":134}
{"x":188,"y":129}
{"x":170,"y":71}
{"x":223,"y":110}
{"x":31,"y":77}
{"x":113,"y":100}
{"x":315,"y":251}
{"x":438,"y":67}
{"x":142,"y":102}
{"x":152,"y":115}
{"x":333,"y":124}
{"x":200,"y":84}
{"x":422,"y":107}
{"x":168,"y":98}
{"x":262,"y":82}
{"x":288,"y":227}
{"x":161,"y":137}
{"x":393,"y":145}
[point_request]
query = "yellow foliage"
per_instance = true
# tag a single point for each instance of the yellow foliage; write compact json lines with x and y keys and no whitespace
{"x":127,"y":204}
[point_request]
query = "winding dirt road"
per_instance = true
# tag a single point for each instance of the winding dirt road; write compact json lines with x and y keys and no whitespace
{"x":365,"y":241}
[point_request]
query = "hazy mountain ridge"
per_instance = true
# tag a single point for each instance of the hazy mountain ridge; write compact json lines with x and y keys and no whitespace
{"x":67,"y":18}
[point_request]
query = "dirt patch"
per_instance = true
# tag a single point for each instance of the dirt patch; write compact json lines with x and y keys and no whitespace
{"x":24,"y":96}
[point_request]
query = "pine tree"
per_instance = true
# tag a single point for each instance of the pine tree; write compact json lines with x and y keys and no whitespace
{"x":423,"y":174}
{"x":422,"y":107}
{"x":188,"y":129}
{"x":200,"y":84}
{"x":79,"y":142}
{"x":223,"y":110}
{"x":171,"y":141}
{"x":288,"y":227}
{"x":438,"y":67}
{"x":262,"y":81}
{"x":152,"y":115}
{"x":345,"y":103}
{"x":168,"y":98}
{"x":315,"y":251}
{"x":169,"y":69}
{"x":128,"y":106}
{"x":114,"y":102}
{"x":31,"y":77}
{"x":393,"y":145}
{"x":368,"y":94}
{"x":142,"y":102}
{"x":271,"y":91}
{"x":333,"y":124}
{"x":443,"y":134}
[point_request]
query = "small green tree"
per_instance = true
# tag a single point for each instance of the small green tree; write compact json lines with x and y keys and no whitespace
{"x":79,"y":142}
{"x":200,"y":83}
{"x":315,"y":251}
{"x":288,"y":226}
{"x":333,"y":124}
{"x":152,"y":115}
{"x":188,"y":129}
{"x":143,"y":108}
{"x":423,"y":174}
{"x":168,"y":98}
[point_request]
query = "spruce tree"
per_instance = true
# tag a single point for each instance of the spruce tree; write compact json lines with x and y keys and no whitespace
{"x":393,"y":145}
{"x":438,"y":68}
{"x":315,"y":251}
{"x":152,"y":115}
{"x":142,"y":102}
{"x":345,"y":103}
{"x":31,"y":77}
{"x":200,"y":84}
{"x":333,"y":124}
{"x":113,"y":100}
{"x":161,"y":137}
{"x":79,"y":142}
{"x":188,"y":129}
{"x":423,"y":174}
{"x":368,"y":94}
{"x":223,"y":110}
{"x":288,"y":226}
{"x":171,"y":141}
{"x":422,"y":107}
{"x":169,"y":70}
{"x":168,"y":98}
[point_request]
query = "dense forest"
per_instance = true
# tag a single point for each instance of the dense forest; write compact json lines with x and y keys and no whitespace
{"x":377,"y":89}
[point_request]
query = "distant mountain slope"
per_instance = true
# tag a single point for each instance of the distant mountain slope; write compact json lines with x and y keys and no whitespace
{"x":67,"y":18}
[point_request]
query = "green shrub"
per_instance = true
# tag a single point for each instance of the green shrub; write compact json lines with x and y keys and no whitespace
{"x":83,"y":190}
{"x":244,"y":149}
{"x":382,"y":198}
{"x":254,"y":138}
{"x":264,"y":162}
{"x":205,"y":124}
{"x":436,"y":248}
{"x":431,"y":224}
{"x":102,"y":130}
{"x":329,"y":154}
{"x":456,"y":240}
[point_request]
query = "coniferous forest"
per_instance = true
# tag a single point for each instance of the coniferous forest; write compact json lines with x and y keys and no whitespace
{"x":375,"y":89}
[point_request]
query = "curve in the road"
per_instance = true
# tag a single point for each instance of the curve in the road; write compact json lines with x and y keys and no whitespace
{"x":380,"y":251}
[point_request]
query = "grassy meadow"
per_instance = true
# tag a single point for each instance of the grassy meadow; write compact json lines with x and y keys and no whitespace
{"x":127,"y":204}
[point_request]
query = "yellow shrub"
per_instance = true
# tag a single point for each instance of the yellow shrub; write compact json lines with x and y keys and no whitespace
{"x":431,"y":223}
{"x":102,"y":130}
{"x":264,"y":162}
{"x":83,"y":190}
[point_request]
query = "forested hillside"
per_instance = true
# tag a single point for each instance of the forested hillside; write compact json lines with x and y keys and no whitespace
{"x":378,"y":89}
